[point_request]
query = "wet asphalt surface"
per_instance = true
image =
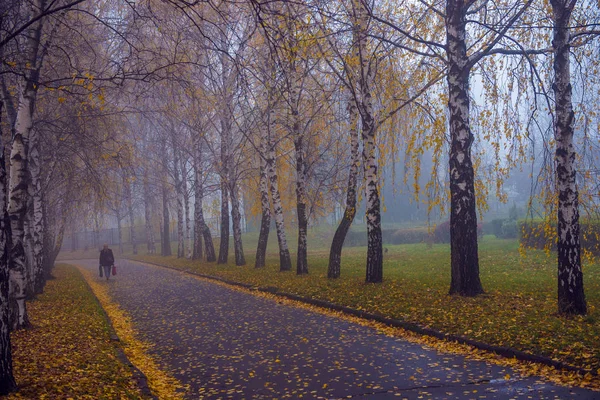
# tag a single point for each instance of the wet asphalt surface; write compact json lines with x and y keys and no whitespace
{"x":227,"y":344}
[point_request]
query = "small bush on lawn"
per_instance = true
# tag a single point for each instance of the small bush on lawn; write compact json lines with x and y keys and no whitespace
{"x":543,"y":235}
{"x":442,"y":232}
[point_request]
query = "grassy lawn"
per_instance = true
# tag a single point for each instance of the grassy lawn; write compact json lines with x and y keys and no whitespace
{"x":518,"y":309}
{"x":68,"y":353}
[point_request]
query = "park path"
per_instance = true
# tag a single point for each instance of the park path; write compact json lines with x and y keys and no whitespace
{"x":226,"y":343}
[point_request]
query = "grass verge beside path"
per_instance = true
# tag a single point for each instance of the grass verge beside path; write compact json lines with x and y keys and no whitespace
{"x":518,"y":309}
{"x":68,"y":352}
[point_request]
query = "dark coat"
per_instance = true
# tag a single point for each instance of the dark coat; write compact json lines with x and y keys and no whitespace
{"x":106,"y":257}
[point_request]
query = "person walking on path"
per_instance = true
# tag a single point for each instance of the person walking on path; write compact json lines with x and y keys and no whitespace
{"x":107,"y":260}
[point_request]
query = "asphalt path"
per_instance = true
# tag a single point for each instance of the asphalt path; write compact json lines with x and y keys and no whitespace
{"x":224,"y":343}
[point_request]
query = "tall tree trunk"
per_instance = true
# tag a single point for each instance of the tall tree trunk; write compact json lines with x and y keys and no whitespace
{"x":463,"y":214}
{"x":179,"y":194}
{"x":165,"y":236}
{"x":265,"y":221}
{"x":50,"y":226}
{"x":28,"y":245}
{"x":18,"y":201}
{"x":186,"y":207}
{"x":285,"y":261}
{"x":129,"y":194}
{"x":335,"y":254}
{"x":38,"y":218}
{"x":19,"y":171}
{"x":571,"y":297}
{"x":237,"y":221}
{"x":7,"y":380}
{"x":150,"y":239}
{"x":374,"y":270}
{"x":224,"y":245}
{"x":301,"y":215}
{"x":119,"y":231}
{"x":37,"y":221}
{"x":198,"y":218}
{"x":54,"y":246}
{"x":96,"y":231}
{"x":201,"y":229}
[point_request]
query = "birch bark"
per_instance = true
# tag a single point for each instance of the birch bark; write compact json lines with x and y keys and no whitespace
{"x":7,"y":380}
{"x":571,"y":297}
{"x":299,"y":144}
{"x":179,"y":194}
{"x":129,"y":195}
{"x":463,"y":216}
{"x":374,"y":270}
{"x":335,"y":254}
{"x":201,"y":229}
{"x":119,"y":229}
{"x":38,"y":215}
{"x":224,"y":242}
{"x":186,"y":207}
{"x":236,"y":220}
{"x":285,"y":261}
{"x":150,"y":239}
{"x":265,"y":221}
{"x":165,"y":236}
{"x":20,"y":178}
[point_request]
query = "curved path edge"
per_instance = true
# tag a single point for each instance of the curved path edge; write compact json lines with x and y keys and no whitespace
{"x":138,"y":376}
{"x":506,"y":352}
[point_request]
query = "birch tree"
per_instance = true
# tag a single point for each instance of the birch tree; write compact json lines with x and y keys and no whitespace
{"x":462,"y":53}
{"x":19,"y":180}
{"x":7,"y":380}
{"x":571,"y":298}
{"x":201,"y":229}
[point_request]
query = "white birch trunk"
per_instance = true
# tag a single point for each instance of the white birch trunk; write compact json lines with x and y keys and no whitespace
{"x":374,"y":272}
{"x":571,"y":297}
{"x":463,"y":214}
{"x":17,"y":206}
{"x":179,"y":194}
{"x":150,"y":239}
{"x":335,"y":254}
{"x":129,"y":197}
{"x":265,"y":222}
{"x":236,"y":221}
{"x":224,"y":172}
{"x":19,"y":172}
{"x":186,"y":207}
{"x":201,"y":230}
{"x":299,"y":144}
{"x":285,"y":262}
{"x":7,"y":380}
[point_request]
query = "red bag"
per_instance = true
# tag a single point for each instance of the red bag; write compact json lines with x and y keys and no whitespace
{"x":114,"y":269}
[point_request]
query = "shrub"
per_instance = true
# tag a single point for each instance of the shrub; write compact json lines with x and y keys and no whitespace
{"x":442,"y":232}
{"x":509,"y":230}
{"x":496,"y":225}
{"x":389,"y":236}
{"x":412,"y":235}
{"x":542,"y":235}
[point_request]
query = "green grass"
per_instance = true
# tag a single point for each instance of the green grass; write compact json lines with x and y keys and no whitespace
{"x":518,"y":309}
{"x":68,"y":353}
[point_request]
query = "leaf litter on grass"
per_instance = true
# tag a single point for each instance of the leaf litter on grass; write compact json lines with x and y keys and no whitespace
{"x":67,"y":353}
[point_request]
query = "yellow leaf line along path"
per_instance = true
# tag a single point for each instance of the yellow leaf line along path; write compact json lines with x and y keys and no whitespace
{"x":160,"y":382}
